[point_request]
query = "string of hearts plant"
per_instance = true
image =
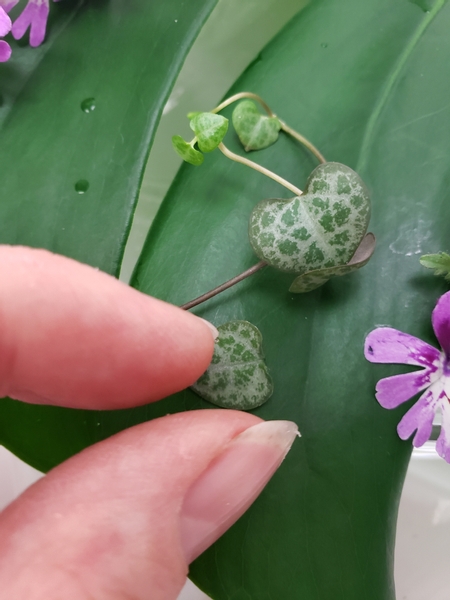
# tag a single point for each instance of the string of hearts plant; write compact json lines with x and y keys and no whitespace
{"x":318,"y":234}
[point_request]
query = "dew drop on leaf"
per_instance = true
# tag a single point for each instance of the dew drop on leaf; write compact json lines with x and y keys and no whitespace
{"x":82,"y":186}
{"x":88,"y":105}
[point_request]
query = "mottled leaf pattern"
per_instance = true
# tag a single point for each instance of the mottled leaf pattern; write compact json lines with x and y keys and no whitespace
{"x":256,"y":131}
{"x":210,"y":130}
{"x":237,"y":376}
{"x":314,"y":279}
{"x":320,"y":229}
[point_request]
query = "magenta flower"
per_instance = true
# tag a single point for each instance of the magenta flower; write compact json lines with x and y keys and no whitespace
{"x":5,"y":27}
{"x":33,"y":16}
{"x":386,"y":345}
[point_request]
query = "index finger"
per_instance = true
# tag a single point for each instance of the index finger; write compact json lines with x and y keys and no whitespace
{"x":73,"y":336}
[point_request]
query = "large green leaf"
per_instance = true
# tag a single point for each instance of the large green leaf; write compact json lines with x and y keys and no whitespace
{"x":368,"y":83}
{"x":83,"y":107}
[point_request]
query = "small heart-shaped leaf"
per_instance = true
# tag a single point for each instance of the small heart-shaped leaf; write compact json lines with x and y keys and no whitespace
{"x":320,"y":229}
{"x":314,"y":279}
{"x":186,"y":151}
{"x":256,"y":131}
{"x":210,"y":130}
{"x":237,"y":376}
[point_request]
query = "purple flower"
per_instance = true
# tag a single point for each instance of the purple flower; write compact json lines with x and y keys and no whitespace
{"x":33,"y":16}
{"x":5,"y":27}
{"x":386,"y":345}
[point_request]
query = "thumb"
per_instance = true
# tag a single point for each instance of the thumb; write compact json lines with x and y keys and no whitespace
{"x":124,"y":518}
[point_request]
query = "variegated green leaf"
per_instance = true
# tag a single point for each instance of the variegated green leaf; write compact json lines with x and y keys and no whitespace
{"x":314,"y":279}
{"x":186,"y":151}
{"x":237,"y":376}
{"x":256,"y":131}
{"x":210,"y":130}
{"x":320,"y":229}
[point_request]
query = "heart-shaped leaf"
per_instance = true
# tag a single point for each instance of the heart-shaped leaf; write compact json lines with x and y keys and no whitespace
{"x":210,"y":130}
{"x":256,"y":131}
{"x":186,"y":151}
{"x":314,"y":279}
{"x":320,"y":229}
{"x":237,"y":376}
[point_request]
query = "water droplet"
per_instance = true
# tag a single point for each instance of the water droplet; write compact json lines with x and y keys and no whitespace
{"x":82,"y":186}
{"x":88,"y":105}
{"x":324,"y":45}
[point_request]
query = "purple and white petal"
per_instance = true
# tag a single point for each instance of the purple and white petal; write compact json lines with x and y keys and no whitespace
{"x":5,"y":23}
{"x":420,"y":416}
{"x":387,"y":345}
{"x":393,"y":391}
{"x":5,"y":51}
{"x":34,"y":16}
{"x":443,"y":441}
{"x":8,"y":4}
{"x":441,"y":322}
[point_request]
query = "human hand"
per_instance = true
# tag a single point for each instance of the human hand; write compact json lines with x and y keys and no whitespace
{"x":123,"y":518}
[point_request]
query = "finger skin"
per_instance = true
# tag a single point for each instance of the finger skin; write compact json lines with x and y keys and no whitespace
{"x":73,"y":336}
{"x":105,"y":524}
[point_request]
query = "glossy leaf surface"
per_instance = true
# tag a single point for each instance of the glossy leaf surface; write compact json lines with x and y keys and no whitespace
{"x":77,"y":117}
{"x":237,"y":376}
{"x":367,"y":83}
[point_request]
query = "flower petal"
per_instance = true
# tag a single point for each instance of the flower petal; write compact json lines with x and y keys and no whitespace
{"x":7,"y":5}
{"x":35,"y":16}
{"x":5,"y":23}
{"x":393,"y":391}
{"x":443,"y":441}
{"x":420,"y":416}
{"x":441,"y":322}
{"x":5,"y":51}
{"x":387,"y":345}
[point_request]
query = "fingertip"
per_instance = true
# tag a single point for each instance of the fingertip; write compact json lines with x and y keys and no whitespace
{"x":74,"y":336}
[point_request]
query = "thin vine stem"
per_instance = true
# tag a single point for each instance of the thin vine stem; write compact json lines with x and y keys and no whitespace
{"x":240,"y":96}
{"x":249,"y":163}
{"x":224,"y":286}
{"x":300,"y":138}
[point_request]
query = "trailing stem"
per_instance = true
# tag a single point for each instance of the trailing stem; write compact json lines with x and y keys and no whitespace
{"x":224,"y":286}
{"x":249,"y":163}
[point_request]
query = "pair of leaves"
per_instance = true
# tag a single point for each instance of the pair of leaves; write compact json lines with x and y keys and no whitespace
{"x":256,"y":131}
{"x":209,"y":129}
{"x":317,"y":232}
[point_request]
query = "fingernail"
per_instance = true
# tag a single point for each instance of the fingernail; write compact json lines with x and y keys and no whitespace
{"x":212,"y":328}
{"x":232,"y":482}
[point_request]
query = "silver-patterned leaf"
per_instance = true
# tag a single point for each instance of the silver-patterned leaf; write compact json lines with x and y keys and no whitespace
{"x":237,"y":376}
{"x":320,"y":229}
{"x":314,"y":279}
